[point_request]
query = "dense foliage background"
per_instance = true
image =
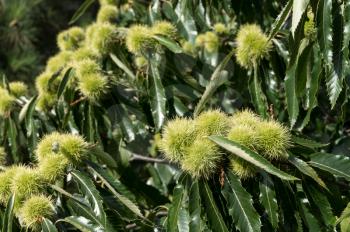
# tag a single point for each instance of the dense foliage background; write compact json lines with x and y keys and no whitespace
{"x":118,"y":86}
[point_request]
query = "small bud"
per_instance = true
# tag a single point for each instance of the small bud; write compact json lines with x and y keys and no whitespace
{"x":310,"y":30}
{"x":107,"y":13}
{"x":71,"y":39}
{"x":3,"y":156}
{"x":202,"y":159}
{"x":177,"y":135}
{"x":18,"y":88}
{"x":93,"y":86}
{"x":139,"y":39}
{"x":53,"y":167}
{"x":140,"y":61}
{"x":188,"y":47}
{"x":34,"y":210}
{"x":7,"y":101}
{"x":212,"y":122}
{"x":220,"y":28}
{"x":252,"y":45}
{"x":164,"y":28}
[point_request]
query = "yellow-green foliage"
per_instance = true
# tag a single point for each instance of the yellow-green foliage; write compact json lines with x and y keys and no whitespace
{"x":220,"y":28}
{"x":102,"y":38}
{"x":140,"y":61}
{"x":83,"y":54}
{"x":252,"y":45}
{"x":6,"y":178}
{"x":178,"y":134}
{"x":34,"y":210}
{"x":310,"y":30}
{"x":26,"y":182}
{"x":46,"y":101}
{"x":6,"y":101}
{"x":139,"y":39}
{"x":164,"y":28}
{"x":52,"y":167}
{"x":245,"y":118}
{"x":107,"y":13}
{"x":188,"y":47}
{"x":18,"y":88}
{"x":202,"y":158}
{"x":209,"y":41}
{"x":71,"y":39}
{"x":212,"y":122}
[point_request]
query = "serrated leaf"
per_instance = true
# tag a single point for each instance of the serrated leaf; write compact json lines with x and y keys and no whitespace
{"x":158,"y":98}
{"x":113,"y":187}
{"x":81,"y":10}
{"x":268,"y":199}
{"x":214,"y":216}
{"x":307,"y":142}
{"x":7,"y":220}
{"x":309,"y":219}
{"x":168,"y":43}
{"x":281,"y":18}
{"x":250,"y":156}
{"x":306,"y":169}
{"x":122,"y":66}
{"x":92,"y":195}
{"x":216,"y":80}
{"x":240,"y":205}
{"x":299,"y":7}
{"x":48,"y":226}
{"x":174,"y":210}
{"x":338,"y":165}
{"x":257,"y":94}
{"x":82,"y":224}
{"x":194,"y":207}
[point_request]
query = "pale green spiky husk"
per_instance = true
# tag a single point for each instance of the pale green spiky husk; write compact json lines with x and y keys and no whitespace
{"x":252,"y":45}
{"x":34,"y":210}
{"x":242,"y":168}
{"x":93,"y":86}
{"x":52,"y":167}
{"x":107,"y":13}
{"x":139,"y":39}
{"x":212,"y":122}
{"x":202,"y":158}
{"x":164,"y":28}
{"x":7,"y":101}
{"x":18,"y":88}
{"x":178,"y":134}
{"x":101,"y":39}
{"x":6,"y":178}
{"x":220,"y":28}
{"x":71,"y":39}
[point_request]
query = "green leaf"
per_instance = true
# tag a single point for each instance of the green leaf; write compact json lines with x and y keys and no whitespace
{"x":81,"y":10}
{"x":250,"y":156}
{"x":257,"y":94}
{"x":183,"y":220}
{"x":338,"y":165}
{"x":82,"y":224}
{"x":92,"y":195}
{"x":64,"y":81}
{"x":299,"y":7}
{"x":174,"y":210}
{"x":309,"y":219}
{"x":113,"y":186}
{"x":281,"y":18}
{"x":306,"y":169}
{"x":240,"y":205}
{"x":158,"y":100}
{"x":268,"y":199}
{"x":214,"y":216}
{"x":307,"y":142}
{"x":216,"y":80}
{"x":345,"y":225}
{"x":122,"y":66}
{"x":48,"y":226}
{"x":7,"y":220}
{"x":344,"y":215}
{"x":27,"y":109}
{"x":194,"y":207}
{"x":170,"y":44}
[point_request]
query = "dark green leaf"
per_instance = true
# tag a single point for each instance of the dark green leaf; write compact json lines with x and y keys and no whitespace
{"x":268,"y":199}
{"x":170,"y":44}
{"x":281,"y":18}
{"x":82,"y":224}
{"x":48,"y":226}
{"x":81,"y":10}
{"x":64,"y":81}
{"x":7,"y":220}
{"x":122,"y":66}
